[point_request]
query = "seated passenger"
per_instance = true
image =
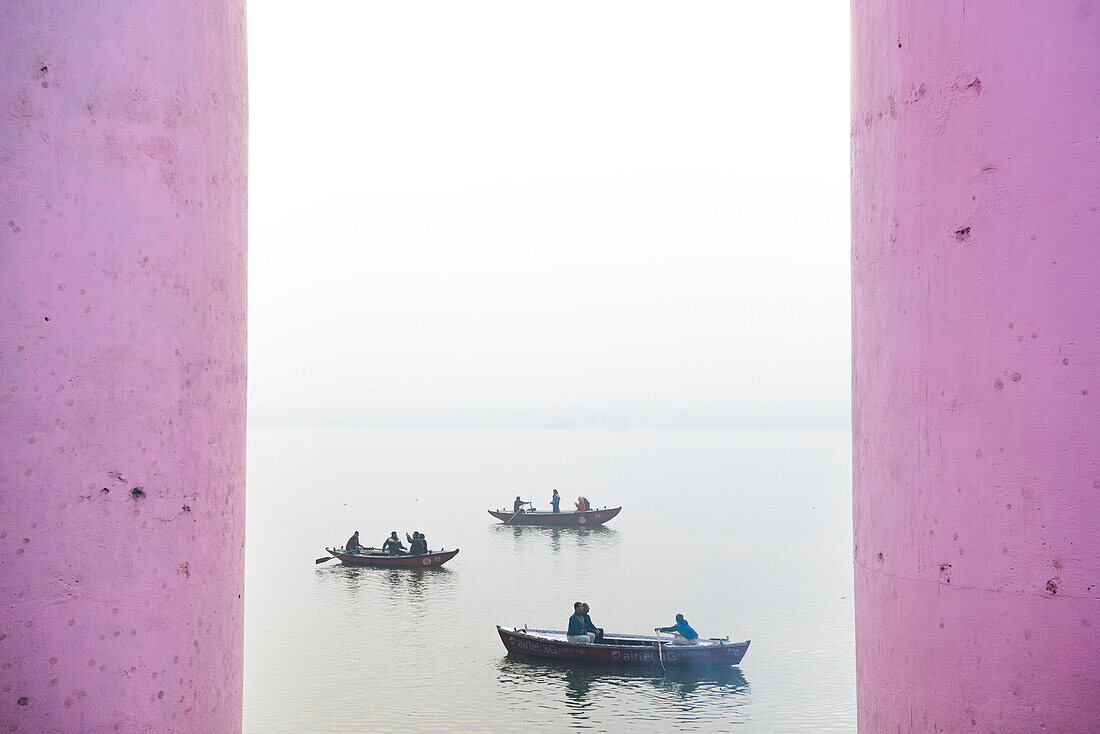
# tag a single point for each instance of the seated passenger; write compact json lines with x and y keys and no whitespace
{"x":353,"y":543}
{"x":418,"y":546}
{"x":577,"y":632}
{"x":589,"y":625}
{"x":393,"y":545}
{"x":685,"y":634}
{"x":582,"y":504}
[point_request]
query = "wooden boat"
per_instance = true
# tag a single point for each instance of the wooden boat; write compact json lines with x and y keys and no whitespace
{"x":621,"y":650}
{"x":588,"y":518}
{"x":378,"y":557}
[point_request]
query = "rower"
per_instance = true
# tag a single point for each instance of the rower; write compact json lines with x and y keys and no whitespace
{"x":578,"y":629}
{"x":685,"y":634}
{"x":353,"y":543}
{"x":517,"y":506}
{"x":393,"y":545}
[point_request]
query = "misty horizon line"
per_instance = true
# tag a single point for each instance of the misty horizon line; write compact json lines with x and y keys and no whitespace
{"x":824,"y":417}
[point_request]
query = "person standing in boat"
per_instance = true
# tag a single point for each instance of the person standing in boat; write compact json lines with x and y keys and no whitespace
{"x":353,"y":543}
{"x":555,"y":501}
{"x":589,"y":625}
{"x":686,"y":635}
{"x":578,"y":630}
{"x":393,"y":545}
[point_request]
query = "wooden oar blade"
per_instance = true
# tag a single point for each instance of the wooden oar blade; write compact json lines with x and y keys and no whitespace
{"x":322,"y":560}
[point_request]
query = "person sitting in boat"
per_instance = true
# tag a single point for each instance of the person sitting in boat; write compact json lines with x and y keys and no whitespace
{"x":555,"y":500}
{"x":517,"y":506}
{"x":393,"y":545}
{"x":582,"y":504}
{"x":353,"y":543}
{"x":685,"y":634}
{"x":578,"y":629}
{"x":418,"y":546}
{"x":589,"y":625}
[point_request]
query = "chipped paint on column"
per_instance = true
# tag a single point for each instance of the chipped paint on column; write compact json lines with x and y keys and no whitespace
{"x":976,"y":365}
{"x":122,"y":365}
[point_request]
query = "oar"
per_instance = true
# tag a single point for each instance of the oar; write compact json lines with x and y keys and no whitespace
{"x":326,"y":558}
{"x":660,"y":655}
{"x":515,"y":513}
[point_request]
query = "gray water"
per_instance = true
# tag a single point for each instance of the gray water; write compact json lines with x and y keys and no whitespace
{"x":745,"y":532}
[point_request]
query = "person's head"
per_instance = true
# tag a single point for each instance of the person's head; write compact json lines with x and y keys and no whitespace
{"x":584,"y":607}
{"x":577,"y":606}
{"x":555,"y":493}
{"x":679,"y":618}
{"x":416,"y":533}
{"x":393,"y":533}
{"x":355,"y":533}
{"x":517,"y":496}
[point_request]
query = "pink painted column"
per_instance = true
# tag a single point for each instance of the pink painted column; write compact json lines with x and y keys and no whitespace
{"x":976,"y":365}
{"x":122,"y":365}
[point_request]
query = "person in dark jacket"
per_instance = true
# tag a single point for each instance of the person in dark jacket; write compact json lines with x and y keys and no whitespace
{"x":353,"y":543}
{"x":393,"y":545}
{"x":589,"y":625}
{"x":517,"y":506}
{"x":418,"y":545}
{"x":685,"y":634}
{"x":578,"y":631}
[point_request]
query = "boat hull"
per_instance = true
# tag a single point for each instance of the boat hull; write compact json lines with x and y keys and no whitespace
{"x":589,"y":518}
{"x":633,"y":650}
{"x":379,"y":560}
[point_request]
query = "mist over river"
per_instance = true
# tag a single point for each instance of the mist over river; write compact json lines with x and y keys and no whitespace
{"x":746,"y":532}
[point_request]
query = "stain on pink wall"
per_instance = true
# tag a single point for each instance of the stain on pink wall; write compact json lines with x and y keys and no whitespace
{"x":976,"y":365}
{"x":122,"y":365}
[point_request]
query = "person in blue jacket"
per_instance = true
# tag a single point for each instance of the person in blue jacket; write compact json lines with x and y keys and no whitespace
{"x":555,"y":501}
{"x":578,"y":629}
{"x":687,"y":636}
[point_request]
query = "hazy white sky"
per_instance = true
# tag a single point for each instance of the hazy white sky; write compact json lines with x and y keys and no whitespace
{"x":548,"y":206}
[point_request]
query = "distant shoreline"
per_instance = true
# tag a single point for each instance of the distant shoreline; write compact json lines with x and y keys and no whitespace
{"x":755,"y":417}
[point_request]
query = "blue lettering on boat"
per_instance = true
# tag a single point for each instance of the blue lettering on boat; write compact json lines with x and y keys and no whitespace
{"x":533,"y":646}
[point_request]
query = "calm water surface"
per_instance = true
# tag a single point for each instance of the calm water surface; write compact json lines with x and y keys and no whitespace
{"x":746,"y":532}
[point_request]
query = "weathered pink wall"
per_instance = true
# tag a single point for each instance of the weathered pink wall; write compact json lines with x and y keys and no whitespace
{"x":122,"y":365}
{"x":976,"y":367}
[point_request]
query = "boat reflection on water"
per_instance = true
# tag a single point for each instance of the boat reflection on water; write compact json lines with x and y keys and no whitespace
{"x":600,"y":537}
{"x":411,"y":586}
{"x":593,"y":694}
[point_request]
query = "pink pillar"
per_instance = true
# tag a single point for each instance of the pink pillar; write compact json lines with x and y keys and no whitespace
{"x":122,"y":365}
{"x":976,"y":364}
